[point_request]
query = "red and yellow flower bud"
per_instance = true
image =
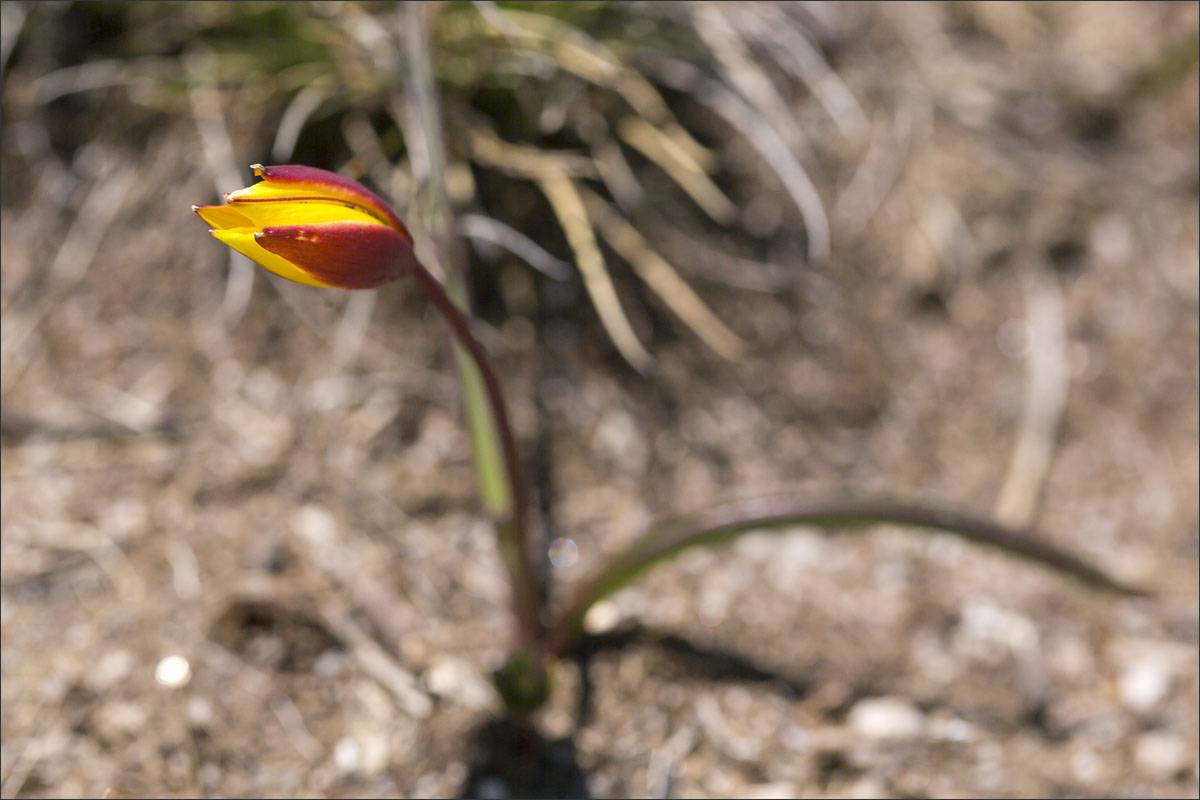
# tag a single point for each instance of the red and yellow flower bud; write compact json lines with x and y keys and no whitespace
{"x":315,"y":227}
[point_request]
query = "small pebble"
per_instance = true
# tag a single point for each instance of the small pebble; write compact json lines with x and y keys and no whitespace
{"x":1143,"y":684}
{"x":602,"y":617}
{"x":374,"y":752}
{"x":200,"y":711}
{"x":173,"y":672}
{"x":315,"y":524}
{"x":1161,"y":755}
{"x":951,"y":729}
{"x":459,"y":682}
{"x":346,"y":754}
{"x":886,"y":718}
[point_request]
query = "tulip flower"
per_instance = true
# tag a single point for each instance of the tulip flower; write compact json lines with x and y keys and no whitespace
{"x":314,"y":227}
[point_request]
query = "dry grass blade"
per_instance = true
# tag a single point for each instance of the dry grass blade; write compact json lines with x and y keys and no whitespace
{"x":1045,"y":399}
{"x":101,"y":453}
{"x":617,"y":175}
{"x":774,"y":151}
{"x":792,"y":50}
{"x":91,"y":75}
{"x":367,"y":149}
{"x":98,"y":212}
{"x":728,"y":269}
{"x":662,"y":278}
{"x":581,"y":55}
{"x":650,"y":142}
{"x":294,"y":728}
{"x":296,"y":116}
{"x":714,"y":27}
{"x":653,"y":131}
{"x":490,"y":229}
{"x":219,"y":153}
{"x":568,"y":206}
{"x":352,"y":329}
{"x":12,"y":22}
{"x":610,"y":161}
{"x":875,"y":176}
{"x":22,"y":764}
{"x":525,"y":162}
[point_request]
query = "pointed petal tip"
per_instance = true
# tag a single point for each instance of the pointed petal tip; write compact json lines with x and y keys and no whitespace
{"x":222,"y":217}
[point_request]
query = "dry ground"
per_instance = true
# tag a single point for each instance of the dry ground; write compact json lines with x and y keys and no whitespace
{"x":283,"y":495}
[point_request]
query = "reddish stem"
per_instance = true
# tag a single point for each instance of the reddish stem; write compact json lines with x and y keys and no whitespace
{"x":515,"y":547}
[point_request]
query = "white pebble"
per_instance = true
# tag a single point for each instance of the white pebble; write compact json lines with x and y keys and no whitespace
{"x":346,"y":754}
{"x":602,"y":617}
{"x":951,"y":729}
{"x":315,"y":524}
{"x":886,"y":718}
{"x":1143,"y":684}
{"x":458,"y":681}
{"x":173,"y":672}
{"x":1160,"y":755}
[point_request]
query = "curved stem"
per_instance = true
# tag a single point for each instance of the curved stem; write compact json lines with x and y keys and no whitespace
{"x":514,"y":533}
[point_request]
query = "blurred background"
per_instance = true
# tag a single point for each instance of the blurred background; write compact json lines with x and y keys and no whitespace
{"x":940,"y":250}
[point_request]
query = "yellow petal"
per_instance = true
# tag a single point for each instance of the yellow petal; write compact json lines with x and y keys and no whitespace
{"x":297,"y":181}
{"x":244,"y":242}
{"x":262,"y":212}
{"x":223,"y":217}
{"x":268,"y":190}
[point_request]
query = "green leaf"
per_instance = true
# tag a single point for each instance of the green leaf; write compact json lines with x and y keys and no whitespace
{"x":780,"y":513}
{"x":494,"y":489}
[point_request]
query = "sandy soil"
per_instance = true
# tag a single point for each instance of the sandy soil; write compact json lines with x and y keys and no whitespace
{"x":272,"y":483}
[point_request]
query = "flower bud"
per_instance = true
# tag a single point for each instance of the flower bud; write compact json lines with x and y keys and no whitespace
{"x":315,"y":227}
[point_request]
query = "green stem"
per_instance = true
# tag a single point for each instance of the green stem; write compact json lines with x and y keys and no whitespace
{"x":501,"y":488}
{"x":514,"y":533}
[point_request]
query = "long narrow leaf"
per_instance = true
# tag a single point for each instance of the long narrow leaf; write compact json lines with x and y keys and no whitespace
{"x":777,"y":513}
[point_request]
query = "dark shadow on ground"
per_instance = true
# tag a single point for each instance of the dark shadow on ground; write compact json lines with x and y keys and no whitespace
{"x":509,"y":758}
{"x":704,"y":661}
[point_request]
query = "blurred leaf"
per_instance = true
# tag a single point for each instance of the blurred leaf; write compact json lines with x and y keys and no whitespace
{"x":783,"y":513}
